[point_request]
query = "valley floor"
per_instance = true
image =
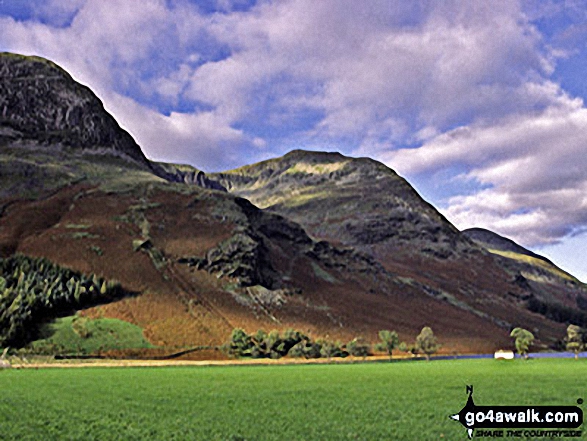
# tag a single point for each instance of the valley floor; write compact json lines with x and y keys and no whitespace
{"x":362,"y":401}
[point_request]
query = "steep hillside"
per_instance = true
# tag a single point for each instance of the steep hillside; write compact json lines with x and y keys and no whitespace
{"x":76,"y":189}
{"x":53,"y":130}
{"x":41,"y":104}
{"x":204,"y":262}
{"x":500,"y":245}
{"x":361,"y":203}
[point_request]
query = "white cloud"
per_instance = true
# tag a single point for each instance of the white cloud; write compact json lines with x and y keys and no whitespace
{"x":57,"y":12}
{"x":375,"y":72}
{"x":533,"y":168}
{"x":378,"y":60}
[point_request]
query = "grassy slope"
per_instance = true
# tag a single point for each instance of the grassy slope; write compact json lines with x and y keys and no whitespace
{"x":409,"y":401}
{"x":535,"y":262}
{"x":30,"y":173}
{"x":91,"y":337}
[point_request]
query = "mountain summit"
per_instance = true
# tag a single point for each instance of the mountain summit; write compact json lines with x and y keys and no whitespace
{"x":357,"y":202}
{"x":42,"y":105}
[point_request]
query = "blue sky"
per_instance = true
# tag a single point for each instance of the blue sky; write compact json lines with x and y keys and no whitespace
{"x":480,"y":105}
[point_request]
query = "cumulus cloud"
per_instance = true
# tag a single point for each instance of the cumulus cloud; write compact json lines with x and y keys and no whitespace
{"x":200,"y":139}
{"x":367,"y":65}
{"x":532,"y":166}
{"x":370,"y":75}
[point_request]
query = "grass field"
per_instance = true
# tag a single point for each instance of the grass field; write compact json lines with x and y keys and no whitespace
{"x":376,"y":401}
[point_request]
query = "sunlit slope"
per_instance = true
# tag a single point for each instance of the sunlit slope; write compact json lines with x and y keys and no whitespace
{"x":550,"y":290}
{"x":361,"y":203}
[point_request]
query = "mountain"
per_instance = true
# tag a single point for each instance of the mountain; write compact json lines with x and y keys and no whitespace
{"x":361,"y":203}
{"x":53,"y":131}
{"x":334,"y":246}
{"x":356,"y":202}
{"x":497,"y":244}
{"x":554,"y":292}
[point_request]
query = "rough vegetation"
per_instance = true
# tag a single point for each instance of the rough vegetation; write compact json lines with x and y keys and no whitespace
{"x":275,"y":345}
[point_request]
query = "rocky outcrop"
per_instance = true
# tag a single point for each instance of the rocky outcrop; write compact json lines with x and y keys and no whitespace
{"x":247,"y":256}
{"x":185,"y":174}
{"x":41,"y":102}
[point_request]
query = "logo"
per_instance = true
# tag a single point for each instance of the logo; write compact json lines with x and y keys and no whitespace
{"x":512,"y":420}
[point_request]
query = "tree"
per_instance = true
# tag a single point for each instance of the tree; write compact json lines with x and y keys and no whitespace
{"x":330,"y":349}
{"x":259,"y":347}
{"x":357,"y":348}
{"x":389,"y":342}
{"x":426,"y":342}
{"x":524,"y":340}
{"x":575,"y":340}
{"x":411,"y":349}
{"x":272,"y":342}
{"x":240,"y":343}
{"x":290,"y":338}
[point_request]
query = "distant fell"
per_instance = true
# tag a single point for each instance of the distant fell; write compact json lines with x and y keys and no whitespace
{"x":55,"y":131}
{"x":517,"y":259}
{"x":353,"y":201}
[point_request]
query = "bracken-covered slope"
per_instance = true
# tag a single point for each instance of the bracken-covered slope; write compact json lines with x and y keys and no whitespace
{"x":204,"y":262}
{"x":329,"y":245}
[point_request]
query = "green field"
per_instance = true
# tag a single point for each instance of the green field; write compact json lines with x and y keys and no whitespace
{"x":79,"y":335}
{"x":374,"y":401}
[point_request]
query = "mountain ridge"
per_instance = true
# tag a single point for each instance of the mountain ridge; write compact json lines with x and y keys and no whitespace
{"x":330,"y":244}
{"x":41,"y":102}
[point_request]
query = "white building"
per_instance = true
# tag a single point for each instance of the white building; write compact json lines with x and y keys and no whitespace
{"x":503,"y":355}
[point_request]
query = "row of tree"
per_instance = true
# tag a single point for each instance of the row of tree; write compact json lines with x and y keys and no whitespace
{"x":35,"y":289}
{"x":297,"y":344}
{"x":575,"y":341}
